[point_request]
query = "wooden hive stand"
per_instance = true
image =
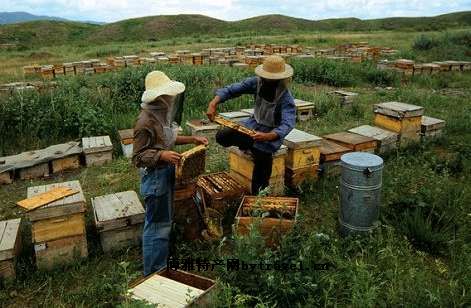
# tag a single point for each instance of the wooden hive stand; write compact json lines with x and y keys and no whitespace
{"x":274,"y":216}
{"x":330,"y":153}
{"x":303,"y":157}
{"x":242,"y":164}
{"x":119,"y":219}
{"x":10,"y":246}
{"x":98,"y":150}
{"x":127,"y":139}
{"x":178,"y":289}
{"x":387,"y":140}
{"x":58,"y":228}
{"x":403,"y":119}
{"x":304,"y":110}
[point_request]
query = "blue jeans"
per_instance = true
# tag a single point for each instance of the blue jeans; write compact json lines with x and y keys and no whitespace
{"x":157,"y":189}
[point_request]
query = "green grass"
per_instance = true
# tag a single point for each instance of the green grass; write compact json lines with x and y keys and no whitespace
{"x":420,"y":256}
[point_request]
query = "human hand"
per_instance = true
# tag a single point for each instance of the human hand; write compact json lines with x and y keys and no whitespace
{"x":200,"y":140}
{"x":170,"y":157}
{"x":212,"y":108}
{"x":261,"y":137}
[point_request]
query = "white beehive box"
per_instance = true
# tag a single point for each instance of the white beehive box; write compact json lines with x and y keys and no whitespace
{"x":118,"y":218}
{"x":98,"y":150}
{"x":236,"y":116}
{"x":127,"y":139}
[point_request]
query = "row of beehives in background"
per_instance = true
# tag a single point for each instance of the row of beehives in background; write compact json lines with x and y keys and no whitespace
{"x":9,"y":88}
{"x":95,"y":151}
{"x":354,"y":52}
{"x":410,"y":68}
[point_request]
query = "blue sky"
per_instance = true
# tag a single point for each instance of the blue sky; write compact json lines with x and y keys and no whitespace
{"x":114,"y":10}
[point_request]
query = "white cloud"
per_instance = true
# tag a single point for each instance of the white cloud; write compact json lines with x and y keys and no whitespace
{"x":113,"y":10}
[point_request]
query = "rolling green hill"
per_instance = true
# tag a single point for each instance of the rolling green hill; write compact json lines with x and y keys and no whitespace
{"x":47,"y":33}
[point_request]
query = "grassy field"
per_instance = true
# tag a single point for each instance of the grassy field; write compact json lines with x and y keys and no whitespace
{"x":420,"y":256}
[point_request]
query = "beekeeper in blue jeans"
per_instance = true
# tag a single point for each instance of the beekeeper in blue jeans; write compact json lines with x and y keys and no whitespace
{"x":155,"y":134}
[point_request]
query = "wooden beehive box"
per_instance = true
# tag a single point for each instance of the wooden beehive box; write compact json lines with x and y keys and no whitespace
{"x":330,"y":157}
{"x":432,"y":127}
{"x":10,"y":246}
{"x":304,"y":110}
{"x":303,"y":149}
{"x":404,"y":119}
{"x":119,"y":219}
{"x":235,"y":116}
{"x":69,"y":156}
{"x":274,"y":216}
{"x":34,"y":172}
{"x":170,"y":288}
{"x":203,"y":128}
{"x":241,"y":169}
{"x":346,"y":97}
{"x":219,"y":189}
{"x":192,"y":164}
{"x":6,"y":177}
{"x":98,"y":150}
{"x":58,"y":228}
{"x":354,"y":142}
{"x":127,"y":138}
{"x":186,"y":214}
{"x":386,"y":140}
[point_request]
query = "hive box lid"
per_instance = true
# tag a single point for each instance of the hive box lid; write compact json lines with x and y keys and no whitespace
{"x":117,"y":210}
{"x":8,"y":238}
{"x":96,"y":144}
{"x":429,"y":123}
{"x":377,"y":133}
{"x":298,"y":139}
{"x":302,"y":104}
{"x":67,"y":206}
{"x":398,"y":110}
{"x":348,"y":138}
{"x":331,"y":151}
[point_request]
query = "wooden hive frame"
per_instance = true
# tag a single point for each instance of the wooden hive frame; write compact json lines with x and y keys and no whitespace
{"x":240,"y":128}
{"x":191,"y":165}
{"x":220,"y":187}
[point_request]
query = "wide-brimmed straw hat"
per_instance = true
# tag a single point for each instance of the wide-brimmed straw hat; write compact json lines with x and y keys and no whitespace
{"x":275,"y":68}
{"x":157,"y":84}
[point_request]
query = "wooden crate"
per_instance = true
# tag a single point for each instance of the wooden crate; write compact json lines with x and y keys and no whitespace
{"x":304,"y":110}
{"x":58,"y":227}
{"x":432,"y":127}
{"x":67,"y":163}
{"x":169,"y":288}
{"x":203,"y":128}
{"x":220,"y":189}
{"x":283,"y":214}
{"x":386,"y":140}
{"x":331,"y":151}
{"x":295,"y":177}
{"x":354,"y":142}
{"x":303,"y":149}
{"x":98,"y":150}
{"x":34,"y":172}
{"x":67,"y":206}
{"x":10,"y":246}
{"x":60,"y":252}
{"x":127,"y":139}
{"x":119,"y":219}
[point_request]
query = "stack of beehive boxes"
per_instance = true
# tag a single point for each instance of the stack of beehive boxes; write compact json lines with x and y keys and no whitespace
{"x":405,"y":66}
{"x":203,"y":128}
{"x":304,"y":110}
{"x":242,"y":165}
{"x":197,"y":58}
{"x":119,"y":218}
{"x":403,"y":119}
{"x":302,"y":161}
{"x":131,"y":60}
{"x":58,"y":228}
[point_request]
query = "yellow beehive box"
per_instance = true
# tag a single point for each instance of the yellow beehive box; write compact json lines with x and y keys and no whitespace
{"x":303,"y":149}
{"x":243,"y":163}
